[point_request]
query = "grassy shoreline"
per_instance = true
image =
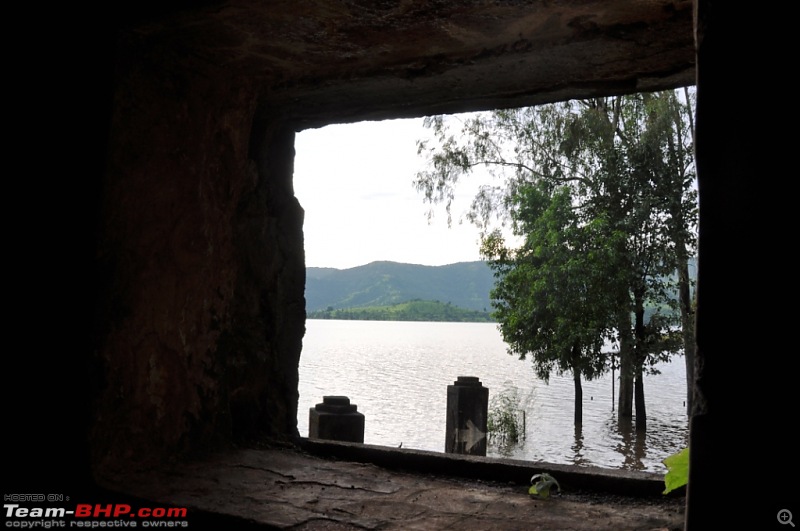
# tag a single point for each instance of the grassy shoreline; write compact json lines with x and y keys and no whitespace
{"x":414,"y":310}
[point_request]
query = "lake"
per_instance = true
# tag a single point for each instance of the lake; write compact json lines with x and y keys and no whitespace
{"x":397,"y":374}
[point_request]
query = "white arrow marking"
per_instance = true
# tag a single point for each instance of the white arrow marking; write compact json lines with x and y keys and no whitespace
{"x":472,"y":435}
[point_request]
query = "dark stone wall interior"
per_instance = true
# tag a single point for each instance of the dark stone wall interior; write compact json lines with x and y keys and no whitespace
{"x":200,"y":311}
{"x":202,"y":316}
{"x":194,"y":303}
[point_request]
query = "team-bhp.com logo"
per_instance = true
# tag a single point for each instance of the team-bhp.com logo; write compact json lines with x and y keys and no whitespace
{"x":94,"y":516}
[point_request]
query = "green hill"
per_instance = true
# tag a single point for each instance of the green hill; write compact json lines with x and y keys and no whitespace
{"x":379,"y":291}
{"x":465,"y":285}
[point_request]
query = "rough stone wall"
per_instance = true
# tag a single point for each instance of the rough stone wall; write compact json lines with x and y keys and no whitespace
{"x":199,"y":322}
{"x":201,"y":264}
{"x":200,"y":257}
{"x":740,"y":369}
{"x":262,"y":348}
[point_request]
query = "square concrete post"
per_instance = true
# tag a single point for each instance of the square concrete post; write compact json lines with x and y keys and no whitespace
{"x":336,"y":419}
{"x":467,"y":414}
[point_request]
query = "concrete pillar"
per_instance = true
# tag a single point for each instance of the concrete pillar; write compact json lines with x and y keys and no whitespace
{"x":467,"y":413}
{"x":336,"y":419}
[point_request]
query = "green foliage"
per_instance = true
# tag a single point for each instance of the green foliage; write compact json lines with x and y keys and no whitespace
{"x":677,"y":470}
{"x":601,"y":192}
{"x":541,"y":484}
{"x":416,"y":310}
{"x":552,"y":296}
{"x":506,"y":420}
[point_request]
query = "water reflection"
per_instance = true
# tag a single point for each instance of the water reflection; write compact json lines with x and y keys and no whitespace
{"x":632,"y":445}
{"x":505,"y":448}
{"x":577,"y":447}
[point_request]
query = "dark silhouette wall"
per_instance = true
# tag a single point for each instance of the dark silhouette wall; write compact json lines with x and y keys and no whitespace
{"x":183,"y":332}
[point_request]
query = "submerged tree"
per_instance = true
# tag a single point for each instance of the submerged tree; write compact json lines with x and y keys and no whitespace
{"x":551,"y":295}
{"x":601,"y":192}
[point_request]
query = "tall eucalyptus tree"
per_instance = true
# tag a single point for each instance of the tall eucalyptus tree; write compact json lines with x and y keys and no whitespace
{"x":609,"y":180}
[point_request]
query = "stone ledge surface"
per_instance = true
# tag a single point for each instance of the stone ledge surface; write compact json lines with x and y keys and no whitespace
{"x":292,"y":488}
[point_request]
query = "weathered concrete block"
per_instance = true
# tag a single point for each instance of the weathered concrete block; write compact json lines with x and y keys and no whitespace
{"x":467,"y":414}
{"x":336,"y":419}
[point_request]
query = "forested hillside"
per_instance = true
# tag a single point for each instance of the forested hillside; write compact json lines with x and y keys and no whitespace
{"x":464,"y":285}
{"x":415,"y":310}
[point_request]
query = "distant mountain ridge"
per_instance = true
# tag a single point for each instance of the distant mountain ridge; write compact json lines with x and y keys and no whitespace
{"x":464,"y":284}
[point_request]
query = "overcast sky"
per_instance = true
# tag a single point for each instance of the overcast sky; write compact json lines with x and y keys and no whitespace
{"x":355,"y":183}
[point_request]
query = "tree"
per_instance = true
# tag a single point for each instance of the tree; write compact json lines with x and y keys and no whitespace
{"x":653,"y":136}
{"x":623,"y":164}
{"x":550,"y":296}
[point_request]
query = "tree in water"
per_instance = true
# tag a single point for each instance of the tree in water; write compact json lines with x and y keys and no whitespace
{"x":601,"y":190}
{"x":550,"y":295}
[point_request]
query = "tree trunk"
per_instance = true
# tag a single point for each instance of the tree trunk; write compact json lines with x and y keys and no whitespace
{"x":640,"y":355}
{"x":687,"y":329}
{"x":626,"y":365}
{"x":576,"y":376}
{"x":687,"y":314}
{"x":641,"y":413}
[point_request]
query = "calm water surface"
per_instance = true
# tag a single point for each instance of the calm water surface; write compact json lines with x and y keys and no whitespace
{"x":397,"y":374}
